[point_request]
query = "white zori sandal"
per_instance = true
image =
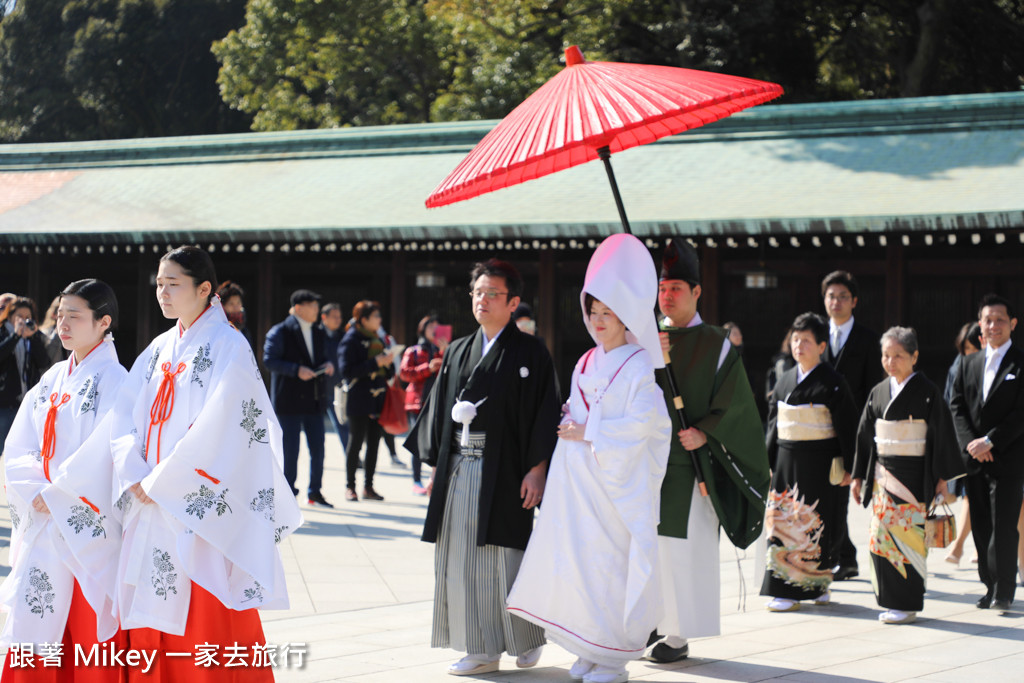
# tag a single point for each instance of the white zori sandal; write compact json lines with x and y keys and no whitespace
{"x":471,"y":665}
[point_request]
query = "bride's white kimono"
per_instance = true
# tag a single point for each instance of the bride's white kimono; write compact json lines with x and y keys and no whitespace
{"x":195,"y":426}
{"x":589,"y":576}
{"x":80,"y":537}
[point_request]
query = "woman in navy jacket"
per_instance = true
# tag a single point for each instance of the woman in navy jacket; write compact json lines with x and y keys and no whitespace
{"x":365,"y":369}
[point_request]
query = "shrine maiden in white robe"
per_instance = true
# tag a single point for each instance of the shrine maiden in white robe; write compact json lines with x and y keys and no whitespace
{"x":195,"y":426}
{"x":590,"y":573}
{"x":80,"y":537}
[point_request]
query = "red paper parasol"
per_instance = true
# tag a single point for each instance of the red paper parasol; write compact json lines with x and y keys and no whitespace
{"x":589,"y":110}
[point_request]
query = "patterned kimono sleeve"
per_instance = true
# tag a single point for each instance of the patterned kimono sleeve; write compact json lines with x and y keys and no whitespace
{"x":23,"y":461}
{"x":130,"y":466}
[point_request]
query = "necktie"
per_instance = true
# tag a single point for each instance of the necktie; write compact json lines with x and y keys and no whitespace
{"x":836,"y":336}
{"x":991,"y":367}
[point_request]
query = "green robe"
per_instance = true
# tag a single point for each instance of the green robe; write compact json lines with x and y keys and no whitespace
{"x":720,"y":403}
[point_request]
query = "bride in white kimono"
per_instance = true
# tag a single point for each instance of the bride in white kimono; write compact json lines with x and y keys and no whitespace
{"x":589,"y":576}
{"x":65,"y":538}
{"x":197,"y":449}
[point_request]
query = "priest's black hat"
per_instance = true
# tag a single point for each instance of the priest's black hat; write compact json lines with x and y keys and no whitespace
{"x":680,"y":262}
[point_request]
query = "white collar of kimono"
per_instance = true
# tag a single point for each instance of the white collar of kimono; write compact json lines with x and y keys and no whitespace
{"x":107,"y":348}
{"x":621,"y":275}
{"x":488,"y":343}
{"x":896,"y":387}
{"x":212,"y":313}
{"x":801,"y":375}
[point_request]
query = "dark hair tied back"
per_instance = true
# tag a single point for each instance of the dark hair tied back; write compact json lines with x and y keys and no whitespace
{"x":196,"y":263}
{"x":98,"y":295}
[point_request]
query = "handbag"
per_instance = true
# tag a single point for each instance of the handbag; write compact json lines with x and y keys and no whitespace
{"x":393,"y":418}
{"x":837,"y":471}
{"x":341,"y":400}
{"x":939,"y":530}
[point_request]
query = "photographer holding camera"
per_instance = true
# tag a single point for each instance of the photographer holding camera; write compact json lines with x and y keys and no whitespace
{"x":23,"y":358}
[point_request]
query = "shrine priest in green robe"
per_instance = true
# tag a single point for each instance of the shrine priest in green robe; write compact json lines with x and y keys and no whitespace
{"x":724,"y":433}
{"x":488,"y":428}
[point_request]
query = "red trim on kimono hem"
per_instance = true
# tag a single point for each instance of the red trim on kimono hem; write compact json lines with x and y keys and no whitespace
{"x":574,"y":635}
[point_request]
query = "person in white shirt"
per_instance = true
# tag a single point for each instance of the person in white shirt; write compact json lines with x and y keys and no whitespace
{"x":988,"y":411}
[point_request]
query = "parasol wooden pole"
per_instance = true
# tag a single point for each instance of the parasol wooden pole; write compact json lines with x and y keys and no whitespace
{"x":677,"y":401}
{"x":605,"y":155}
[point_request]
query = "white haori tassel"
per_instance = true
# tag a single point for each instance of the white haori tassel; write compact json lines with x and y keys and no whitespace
{"x":464,"y":412}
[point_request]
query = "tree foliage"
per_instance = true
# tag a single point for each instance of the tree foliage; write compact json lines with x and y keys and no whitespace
{"x":72,"y":69}
{"x":328,"y":63}
{"x":81,"y":69}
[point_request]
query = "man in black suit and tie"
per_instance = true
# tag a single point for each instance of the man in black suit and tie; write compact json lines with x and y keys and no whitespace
{"x":853,"y":350}
{"x":295,"y":354}
{"x":988,"y":411}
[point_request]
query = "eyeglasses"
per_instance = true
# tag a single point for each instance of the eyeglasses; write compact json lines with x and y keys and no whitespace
{"x":841,"y":297}
{"x":491,"y":294}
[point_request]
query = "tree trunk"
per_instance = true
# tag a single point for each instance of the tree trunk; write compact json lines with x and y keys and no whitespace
{"x":933,"y":20}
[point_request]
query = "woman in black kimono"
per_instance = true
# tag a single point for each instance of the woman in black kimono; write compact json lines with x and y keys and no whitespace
{"x":906,"y":452}
{"x":812,"y":421}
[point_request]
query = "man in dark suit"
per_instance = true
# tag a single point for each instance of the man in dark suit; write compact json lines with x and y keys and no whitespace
{"x":988,"y":411}
{"x":295,"y":354}
{"x":853,"y":350}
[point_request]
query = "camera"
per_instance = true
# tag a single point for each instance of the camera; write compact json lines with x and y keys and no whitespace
{"x":30,"y":324}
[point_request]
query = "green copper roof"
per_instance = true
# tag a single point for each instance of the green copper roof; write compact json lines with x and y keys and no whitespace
{"x":930,"y":164}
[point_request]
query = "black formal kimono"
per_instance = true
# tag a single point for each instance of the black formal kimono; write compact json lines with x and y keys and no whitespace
{"x":520,"y":418}
{"x":801,"y":517}
{"x":475,"y":515}
{"x":899,"y":481}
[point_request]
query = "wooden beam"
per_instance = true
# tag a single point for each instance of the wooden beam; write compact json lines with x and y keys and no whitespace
{"x":546,"y":294}
{"x":895,"y":283}
{"x":266,"y":291}
{"x":399,"y":288}
{"x":144,"y":305}
{"x":710,"y":285}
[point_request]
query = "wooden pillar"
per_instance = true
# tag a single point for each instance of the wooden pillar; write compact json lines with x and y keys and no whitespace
{"x":144,"y":304}
{"x":546,"y":295}
{"x":34,"y":286}
{"x":266,"y":289}
{"x":895,"y":281}
{"x":399,"y":288}
{"x":710,"y":285}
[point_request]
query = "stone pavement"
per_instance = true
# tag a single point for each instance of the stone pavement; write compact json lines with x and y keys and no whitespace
{"x":361,"y":583}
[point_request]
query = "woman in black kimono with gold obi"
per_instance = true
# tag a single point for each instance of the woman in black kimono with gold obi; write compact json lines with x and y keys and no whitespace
{"x":812,"y":421}
{"x":906,"y":452}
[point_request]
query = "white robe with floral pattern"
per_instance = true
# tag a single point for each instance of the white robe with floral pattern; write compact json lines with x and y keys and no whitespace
{"x":80,"y":537}
{"x":214,"y":470}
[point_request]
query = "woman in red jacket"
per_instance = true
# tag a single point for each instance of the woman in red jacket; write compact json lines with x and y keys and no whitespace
{"x":420,"y":364}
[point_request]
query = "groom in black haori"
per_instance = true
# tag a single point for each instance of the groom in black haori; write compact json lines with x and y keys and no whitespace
{"x":724,"y":434}
{"x":488,"y":427}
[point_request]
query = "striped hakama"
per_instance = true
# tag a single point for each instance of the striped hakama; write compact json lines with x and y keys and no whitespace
{"x":472,"y":582}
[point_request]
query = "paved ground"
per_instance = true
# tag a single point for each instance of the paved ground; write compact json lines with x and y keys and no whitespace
{"x":361,"y":586}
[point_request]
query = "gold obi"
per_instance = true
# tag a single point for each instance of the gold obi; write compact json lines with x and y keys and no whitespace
{"x":901,"y":437}
{"x":804,"y":423}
